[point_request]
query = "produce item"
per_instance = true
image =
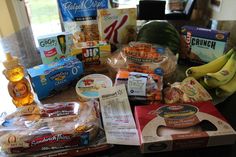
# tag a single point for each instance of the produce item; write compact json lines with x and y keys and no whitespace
{"x":211,"y":67}
{"x":55,"y":46}
{"x":61,"y":125}
{"x":161,"y":33}
{"x":88,"y":87}
{"x":80,"y":18}
{"x":141,"y":86}
{"x":189,"y":90}
{"x":201,"y":45}
{"x":18,"y":86}
{"x":224,"y":75}
{"x":118,"y":26}
{"x":181,"y":126}
{"x":227,"y":89}
{"x":49,"y":79}
{"x":144,"y":58}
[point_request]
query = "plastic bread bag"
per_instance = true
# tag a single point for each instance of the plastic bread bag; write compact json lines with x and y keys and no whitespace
{"x":61,"y":125}
{"x":144,"y":58}
{"x":141,"y":86}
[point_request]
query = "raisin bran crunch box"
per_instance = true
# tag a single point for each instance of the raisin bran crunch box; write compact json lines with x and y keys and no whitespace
{"x":181,"y":126}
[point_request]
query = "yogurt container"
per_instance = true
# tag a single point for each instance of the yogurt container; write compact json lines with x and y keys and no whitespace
{"x":87,"y":88}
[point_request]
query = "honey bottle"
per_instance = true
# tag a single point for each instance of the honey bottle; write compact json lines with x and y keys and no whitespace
{"x":18,"y":86}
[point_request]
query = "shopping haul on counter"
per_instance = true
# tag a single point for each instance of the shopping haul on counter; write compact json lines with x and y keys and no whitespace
{"x":112,"y":67}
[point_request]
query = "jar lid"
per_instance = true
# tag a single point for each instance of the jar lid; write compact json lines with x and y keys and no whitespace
{"x":88,"y":87}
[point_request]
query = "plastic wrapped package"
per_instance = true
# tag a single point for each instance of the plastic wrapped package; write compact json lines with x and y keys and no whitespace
{"x":32,"y":129}
{"x":144,"y":58}
{"x":141,"y":86}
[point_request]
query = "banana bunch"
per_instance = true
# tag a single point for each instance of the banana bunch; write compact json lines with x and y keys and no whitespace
{"x":219,"y":74}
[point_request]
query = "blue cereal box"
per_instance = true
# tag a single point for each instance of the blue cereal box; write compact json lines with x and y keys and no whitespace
{"x":47,"y":79}
{"x":55,"y":46}
{"x":202,"y":45}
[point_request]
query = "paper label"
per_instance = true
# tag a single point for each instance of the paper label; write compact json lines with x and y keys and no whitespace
{"x":117,"y":117}
{"x":137,"y":84}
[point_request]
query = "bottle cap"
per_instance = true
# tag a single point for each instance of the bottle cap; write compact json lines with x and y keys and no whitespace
{"x":11,"y":61}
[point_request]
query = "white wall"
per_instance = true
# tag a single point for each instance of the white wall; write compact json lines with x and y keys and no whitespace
{"x":227,"y":11}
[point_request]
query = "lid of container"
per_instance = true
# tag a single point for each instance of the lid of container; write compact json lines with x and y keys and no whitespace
{"x":11,"y":61}
{"x":88,"y":87}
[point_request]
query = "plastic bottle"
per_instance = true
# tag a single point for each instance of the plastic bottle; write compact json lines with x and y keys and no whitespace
{"x":18,"y":86}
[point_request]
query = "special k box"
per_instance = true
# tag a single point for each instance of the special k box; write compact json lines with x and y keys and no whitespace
{"x":53,"y":47}
{"x":181,"y":126}
{"x":117,"y":26}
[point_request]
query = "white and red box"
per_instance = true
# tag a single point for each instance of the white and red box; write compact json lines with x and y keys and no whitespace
{"x":181,"y":126}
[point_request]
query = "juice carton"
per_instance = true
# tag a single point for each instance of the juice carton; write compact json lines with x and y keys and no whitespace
{"x":55,"y":46}
{"x":117,"y":26}
{"x":47,"y":79}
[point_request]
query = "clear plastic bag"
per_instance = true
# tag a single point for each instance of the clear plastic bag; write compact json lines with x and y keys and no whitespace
{"x":50,"y":127}
{"x":144,"y":58}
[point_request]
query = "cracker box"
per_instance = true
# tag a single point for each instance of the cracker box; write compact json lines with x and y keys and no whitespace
{"x":117,"y":26}
{"x":181,"y":126}
{"x":202,"y":45}
{"x":47,"y":79}
{"x":55,"y":46}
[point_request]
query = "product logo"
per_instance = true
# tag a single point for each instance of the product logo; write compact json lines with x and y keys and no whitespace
{"x":50,"y":139}
{"x":177,"y":111}
{"x":83,"y":5}
{"x":59,"y":76}
{"x":91,"y":56}
{"x":48,"y":43}
{"x":20,"y":90}
{"x":50,"y":53}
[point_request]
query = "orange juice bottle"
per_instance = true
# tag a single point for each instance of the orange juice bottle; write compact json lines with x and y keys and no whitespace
{"x":18,"y":86}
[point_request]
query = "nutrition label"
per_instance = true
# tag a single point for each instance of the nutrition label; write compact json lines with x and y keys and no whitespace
{"x":117,"y":117}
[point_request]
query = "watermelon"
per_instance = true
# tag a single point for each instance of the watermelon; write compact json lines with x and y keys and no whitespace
{"x":160,"y":32}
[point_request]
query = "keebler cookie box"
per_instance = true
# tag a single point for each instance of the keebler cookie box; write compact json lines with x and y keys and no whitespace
{"x":181,"y":126}
{"x":47,"y":79}
{"x":201,"y":45}
{"x":55,"y":46}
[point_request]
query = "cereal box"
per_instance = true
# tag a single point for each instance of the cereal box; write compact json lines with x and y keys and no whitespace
{"x":202,"y":45}
{"x":47,"y":79}
{"x":117,"y":26}
{"x":192,"y":125}
{"x":55,"y":46}
{"x":80,"y":17}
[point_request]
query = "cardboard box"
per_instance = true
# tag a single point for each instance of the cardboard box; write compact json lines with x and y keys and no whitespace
{"x":181,"y":126}
{"x":55,"y":46}
{"x":118,"y":26}
{"x":49,"y":79}
{"x":202,"y":45}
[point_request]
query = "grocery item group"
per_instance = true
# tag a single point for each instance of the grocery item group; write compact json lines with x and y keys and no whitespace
{"x":113,"y":68}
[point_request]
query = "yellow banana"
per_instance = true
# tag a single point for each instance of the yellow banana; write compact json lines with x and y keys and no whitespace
{"x":227,"y":89}
{"x":224,"y":75}
{"x":211,"y":67}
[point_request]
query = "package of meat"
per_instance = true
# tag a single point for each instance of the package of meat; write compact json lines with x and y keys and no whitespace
{"x":50,"y":127}
{"x":141,"y":86}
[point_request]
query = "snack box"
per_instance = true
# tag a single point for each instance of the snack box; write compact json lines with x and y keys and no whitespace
{"x":181,"y":126}
{"x":202,"y":45}
{"x":55,"y":46}
{"x":118,"y":26}
{"x":49,"y":79}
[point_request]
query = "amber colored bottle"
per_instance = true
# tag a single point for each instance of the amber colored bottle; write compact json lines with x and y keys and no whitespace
{"x":18,"y":86}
